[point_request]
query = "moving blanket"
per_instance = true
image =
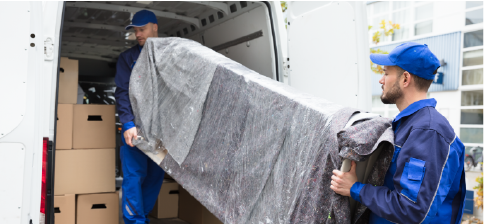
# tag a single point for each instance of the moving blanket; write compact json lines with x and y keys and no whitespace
{"x":250,"y":149}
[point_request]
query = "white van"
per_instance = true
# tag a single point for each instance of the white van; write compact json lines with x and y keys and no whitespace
{"x":324,"y":51}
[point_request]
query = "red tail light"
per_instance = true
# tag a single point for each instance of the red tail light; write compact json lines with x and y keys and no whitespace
{"x":43,"y":196}
{"x":467,"y":155}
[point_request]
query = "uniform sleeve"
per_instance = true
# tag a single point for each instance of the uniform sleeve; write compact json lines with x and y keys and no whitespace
{"x":123,"y":73}
{"x":426,"y":167}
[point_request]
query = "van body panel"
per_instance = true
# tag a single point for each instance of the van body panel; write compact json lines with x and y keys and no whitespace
{"x":256,"y":54}
{"x":22,"y":71}
{"x":326,"y":58}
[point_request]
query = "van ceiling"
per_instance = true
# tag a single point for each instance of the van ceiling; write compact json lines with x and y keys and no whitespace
{"x":96,"y":30}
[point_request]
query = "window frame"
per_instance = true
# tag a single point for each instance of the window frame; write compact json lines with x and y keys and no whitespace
{"x":465,"y":88}
{"x":410,"y":24}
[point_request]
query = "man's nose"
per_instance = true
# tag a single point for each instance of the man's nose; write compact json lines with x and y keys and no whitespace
{"x":382,"y":79}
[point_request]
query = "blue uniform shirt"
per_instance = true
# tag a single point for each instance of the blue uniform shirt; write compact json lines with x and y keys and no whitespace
{"x":425,"y":182}
{"x":126,"y":62}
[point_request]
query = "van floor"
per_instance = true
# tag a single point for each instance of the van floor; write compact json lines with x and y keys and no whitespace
{"x":152,"y":220}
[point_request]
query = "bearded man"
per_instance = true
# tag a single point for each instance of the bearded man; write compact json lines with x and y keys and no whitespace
{"x":426,"y":181}
{"x":142,"y":178}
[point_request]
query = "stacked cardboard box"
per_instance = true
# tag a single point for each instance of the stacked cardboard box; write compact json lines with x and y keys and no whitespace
{"x":175,"y":202}
{"x":85,"y":156}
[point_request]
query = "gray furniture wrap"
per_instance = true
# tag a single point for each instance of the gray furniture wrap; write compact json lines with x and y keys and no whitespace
{"x":250,"y":149}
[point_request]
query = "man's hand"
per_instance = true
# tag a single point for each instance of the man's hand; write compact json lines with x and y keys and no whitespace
{"x":130,"y":134}
{"x":342,"y":182}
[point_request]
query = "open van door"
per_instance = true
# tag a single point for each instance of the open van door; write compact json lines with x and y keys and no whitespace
{"x":23,"y":115}
{"x":328,"y":51}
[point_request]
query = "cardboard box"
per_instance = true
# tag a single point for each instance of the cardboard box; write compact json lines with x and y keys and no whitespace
{"x":68,"y":81}
{"x":84,"y":171}
{"x":167,"y":203}
{"x":94,"y":126}
{"x":65,"y":209}
{"x":64,"y":126}
{"x":192,"y":211}
{"x":98,"y":208}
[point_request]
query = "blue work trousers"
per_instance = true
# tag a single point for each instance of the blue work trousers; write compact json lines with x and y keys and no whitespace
{"x":142,"y":180}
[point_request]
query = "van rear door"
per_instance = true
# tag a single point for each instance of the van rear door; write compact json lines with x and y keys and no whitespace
{"x":22,"y":101}
{"x":328,"y":51}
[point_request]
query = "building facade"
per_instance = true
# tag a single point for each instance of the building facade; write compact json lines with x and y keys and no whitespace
{"x":454,"y":33}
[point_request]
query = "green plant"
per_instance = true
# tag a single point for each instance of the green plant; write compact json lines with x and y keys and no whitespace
{"x":387,"y":29}
{"x":478,"y":199}
{"x":284,"y":6}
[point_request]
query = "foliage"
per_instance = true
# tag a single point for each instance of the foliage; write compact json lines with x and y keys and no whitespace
{"x":473,"y":220}
{"x":387,"y":29}
{"x":378,"y":69}
{"x":478,"y":199}
{"x":284,"y":6}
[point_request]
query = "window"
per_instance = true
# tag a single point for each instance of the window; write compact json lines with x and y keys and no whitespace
{"x":401,"y":17}
{"x":414,"y":18}
{"x":471,"y":113}
{"x":473,"y":39}
{"x":472,"y":77}
{"x":471,"y":98}
{"x":473,"y":12}
{"x":380,"y":7}
{"x":471,"y":135}
{"x":474,"y":17}
{"x":472,"y":4}
{"x":472,"y":58}
{"x":424,"y":12}
{"x":423,"y":28}
{"x":471,"y":116}
{"x":400,"y":5}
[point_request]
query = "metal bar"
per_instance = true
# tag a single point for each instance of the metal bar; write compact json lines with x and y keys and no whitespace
{"x":96,"y":26}
{"x":121,"y":8}
{"x":238,"y":41}
{"x":219,"y":6}
{"x":101,"y":42}
{"x":103,"y":27}
{"x":92,"y":50}
{"x":88,"y":57}
{"x":99,"y":83}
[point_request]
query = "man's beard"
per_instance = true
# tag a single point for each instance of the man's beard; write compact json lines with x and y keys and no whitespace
{"x":393,"y":95}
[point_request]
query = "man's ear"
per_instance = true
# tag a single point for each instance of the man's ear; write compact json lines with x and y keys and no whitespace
{"x":407,"y":78}
{"x":155,"y":27}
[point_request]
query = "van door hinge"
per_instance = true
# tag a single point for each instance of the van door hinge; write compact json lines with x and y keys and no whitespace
{"x":48,"y":49}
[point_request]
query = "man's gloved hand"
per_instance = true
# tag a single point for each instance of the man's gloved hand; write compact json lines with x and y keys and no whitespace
{"x":129,"y":135}
{"x":342,"y":182}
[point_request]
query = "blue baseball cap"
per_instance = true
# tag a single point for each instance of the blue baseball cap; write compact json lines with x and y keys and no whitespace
{"x":142,"y":18}
{"x":412,"y":57}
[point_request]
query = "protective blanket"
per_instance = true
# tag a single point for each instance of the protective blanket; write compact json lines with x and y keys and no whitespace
{"x":250,"y":149}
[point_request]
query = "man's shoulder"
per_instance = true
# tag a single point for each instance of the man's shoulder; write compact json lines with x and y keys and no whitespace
{"x":129,"y":51}
{"x":429,"y":119}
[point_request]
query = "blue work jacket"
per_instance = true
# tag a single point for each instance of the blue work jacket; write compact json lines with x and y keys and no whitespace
{"x":426,"y":181}
{"x":126,"y":62}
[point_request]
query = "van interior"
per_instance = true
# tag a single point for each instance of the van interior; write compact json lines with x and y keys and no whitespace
{"x":94,"y":34}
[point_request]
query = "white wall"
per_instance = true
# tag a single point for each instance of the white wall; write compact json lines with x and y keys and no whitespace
{"x":448,"y":105}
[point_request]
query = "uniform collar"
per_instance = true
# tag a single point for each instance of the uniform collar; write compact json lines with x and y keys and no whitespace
{"x":140,"y":48}
{"x":414,"y":107}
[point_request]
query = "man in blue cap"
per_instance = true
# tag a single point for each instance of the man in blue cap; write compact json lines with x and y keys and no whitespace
{"x":142,"y":178}
{"x":426,"y":181}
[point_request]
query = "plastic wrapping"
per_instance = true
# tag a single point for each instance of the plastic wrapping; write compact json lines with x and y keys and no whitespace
{"x":252,"y":150}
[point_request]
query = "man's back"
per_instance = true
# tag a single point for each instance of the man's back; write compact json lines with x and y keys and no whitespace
{"x":428,"y":173}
